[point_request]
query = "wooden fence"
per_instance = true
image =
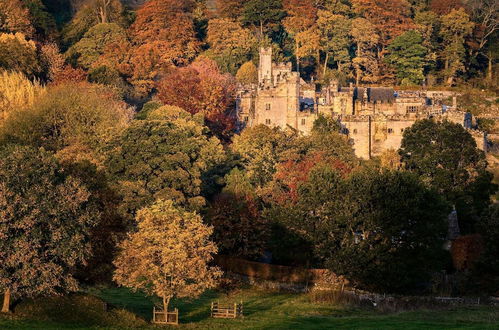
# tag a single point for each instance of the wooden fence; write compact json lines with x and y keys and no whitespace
{"x":162,"y":317}
{"x":228,"y":311}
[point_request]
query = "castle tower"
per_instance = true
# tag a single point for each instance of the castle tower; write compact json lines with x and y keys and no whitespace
{"x":265,"y":67}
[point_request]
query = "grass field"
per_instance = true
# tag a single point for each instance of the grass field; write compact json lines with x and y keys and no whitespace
{"x":263,"y":310}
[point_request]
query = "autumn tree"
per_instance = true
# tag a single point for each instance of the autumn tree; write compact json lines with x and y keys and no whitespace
{"x":91,"y":47}
{"x":301,"y":16}
{"x":14,"y":18}
{"x":202,"y":88}
{"x":443,"y":7}
{"x":163,"y":36}
{"x":390,"y":18}
{"x":71,"y":117}
{"x":168,"y":255}
{"x":230,"y":44}
{"x":456,"y":26}
{"x":46,"y":222}
{"x":230,"y":8}
{"x":165,"y":156}
{"x":19,"y":54}
{"x":247,"y":74}
{"x":365,"y":61}
{"x":407,"y":55}
{"x":17,"y":92}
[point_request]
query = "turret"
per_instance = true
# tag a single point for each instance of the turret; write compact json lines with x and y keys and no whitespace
{"x":265,"y":67}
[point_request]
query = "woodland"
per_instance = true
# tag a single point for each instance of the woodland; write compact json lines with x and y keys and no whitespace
{"x":120,"y":162}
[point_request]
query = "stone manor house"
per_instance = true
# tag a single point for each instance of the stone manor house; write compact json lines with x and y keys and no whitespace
{"x":374,"y":118}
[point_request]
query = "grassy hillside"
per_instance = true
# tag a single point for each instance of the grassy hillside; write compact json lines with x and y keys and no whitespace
{"x":263,"y":310}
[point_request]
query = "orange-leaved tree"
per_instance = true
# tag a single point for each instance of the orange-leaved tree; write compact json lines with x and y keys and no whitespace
{"x":201,"y":87}
{"x":168,"y":255}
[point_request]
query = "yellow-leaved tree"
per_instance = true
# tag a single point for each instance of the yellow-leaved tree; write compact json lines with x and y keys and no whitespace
{"x":168,"y":255}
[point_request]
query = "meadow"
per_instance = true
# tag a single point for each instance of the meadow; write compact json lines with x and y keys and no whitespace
{"x":263,"y":310}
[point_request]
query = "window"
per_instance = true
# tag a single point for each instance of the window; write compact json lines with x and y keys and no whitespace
{"x":267,"y":121}
{"x":303,"y":122}
{"x":267,"y":106}
{"x":401,"y":130}
{"x":246,"y":119}
{"x":390,"y":130}
{"x":412,"y":108}
{"x":355,"y":131}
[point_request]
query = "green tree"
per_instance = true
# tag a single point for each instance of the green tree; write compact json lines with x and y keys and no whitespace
{"x":230,"y":44}
{"x":388,"y":232}
{"x":46,"y":222}
{"x":446,"y":158}
{"x":260,"y":149}
{"x":239,"y":228}
{"x":168,"y":255}
{"x":87,"y":51}
{"x":407,"y":55}
{"x":335,"y":38}
{"x":262,"y":14}
{"x":90,"y":13}
{"x":165,"y":156}
{"x":456,"y":26}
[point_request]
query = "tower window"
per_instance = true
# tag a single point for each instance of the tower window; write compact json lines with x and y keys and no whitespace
{"x":246,"y":119}
{"x":267,"y":121}
{"x":303,"y":121}
{"x":390,"y":130}
{"x":355,"y":131}
{"x":267,"y":106}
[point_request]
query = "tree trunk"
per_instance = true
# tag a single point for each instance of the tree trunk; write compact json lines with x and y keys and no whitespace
{"x":489,"y":69}
{"x":166,"y":302}
{"x":325,"y":64}
{"x":6,"y":301}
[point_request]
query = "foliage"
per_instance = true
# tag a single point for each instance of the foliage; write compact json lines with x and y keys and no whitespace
{"x":168,"y":255}
{"x":446,"y":158}
{"x":67,"y":116}
{"x":247,"y":74}
{"x":260,"y":149}
{"x":408,"y":56}
{"x":14,"y":18}
{"x":18,"y":54}
{"x":456,"y":26}
{"x":202,"y":88}
{"x":163,"y":157}
{"x":230,"y":44}
{"x":91,"y":13}
{"x":239,"y":228}
{"x":262,"y":14}
{"x":17,"y":92}
{"x":46,"y":222}
{"x":335,"y":33}
{"x":88,"y":50}
{"x":388,"y":222}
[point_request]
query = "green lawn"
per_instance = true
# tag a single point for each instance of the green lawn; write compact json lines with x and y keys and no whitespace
{"x":263,"y":310}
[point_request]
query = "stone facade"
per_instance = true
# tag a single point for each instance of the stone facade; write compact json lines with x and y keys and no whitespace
{"x":374,"y":118}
